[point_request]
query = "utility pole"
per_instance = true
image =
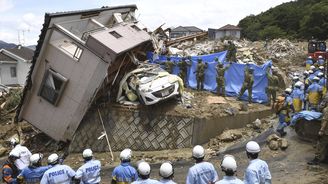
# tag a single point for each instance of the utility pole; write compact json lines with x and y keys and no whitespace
{"x":21,"y":36}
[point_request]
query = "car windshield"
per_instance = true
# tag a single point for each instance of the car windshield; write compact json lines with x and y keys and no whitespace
{"x":149,"y":76}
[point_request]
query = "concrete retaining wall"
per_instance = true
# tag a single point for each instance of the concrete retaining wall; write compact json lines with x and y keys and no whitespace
{"x":148,"y":130}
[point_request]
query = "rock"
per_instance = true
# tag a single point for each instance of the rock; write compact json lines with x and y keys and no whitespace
{"x":271,"y":137}
{"x":257,"y":124}
{"x":230,"y":135}
{"x":274,"y":145}
{"x":283,"y":143}
{"x":243,"y":107}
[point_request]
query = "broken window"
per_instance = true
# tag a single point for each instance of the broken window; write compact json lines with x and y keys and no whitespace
{"x":52,"y":86}
{"x":13,"y":72}
{"x":72,"y":49}
{"x":115,"y":34}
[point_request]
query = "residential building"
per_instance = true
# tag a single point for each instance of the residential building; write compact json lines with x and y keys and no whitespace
{"x":79,"y":56}
{"x":184,"y":31}
{"x":225,"y":31}
{"x":14,"y":65}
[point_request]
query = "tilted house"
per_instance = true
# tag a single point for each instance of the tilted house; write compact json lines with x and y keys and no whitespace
{"x":14,"y":65}
{"x":78,"y":53}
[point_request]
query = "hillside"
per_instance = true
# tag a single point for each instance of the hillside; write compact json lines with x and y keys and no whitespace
{"x":300,"y":19}
{"x":5,"y":45}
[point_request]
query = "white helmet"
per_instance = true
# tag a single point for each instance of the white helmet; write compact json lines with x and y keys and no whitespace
{"x":126,"y":154}
{"x":288,"y":90}
{"x":35,"y":158}
{"x":320,"y":74}
{"x":298,"y":84}
{"x":198,"y":152}
{"x":53,"y":158}
{"x":320,"y":57}
{"x":166,"y":170}
{"x":306,"y":72}
{"x":312,"y":67}
{"x":310,"y":57}
{"x":14,"y":141}
{"x":316,"y":78}
{"x":253,"y":147}
{"x":144,"y":168}
{"x":321,"y":67}
{"x":14,"y":153}
{"x":296,"y":74}
{"x":295,"y":78}
{"x":310,"y":71}
{"x":87,"y":153}
{"x":229,"y":163}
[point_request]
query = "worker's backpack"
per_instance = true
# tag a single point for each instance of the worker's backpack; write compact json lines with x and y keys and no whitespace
{"x":279,"y":104}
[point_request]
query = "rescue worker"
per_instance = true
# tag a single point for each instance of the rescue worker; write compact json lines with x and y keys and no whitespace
{"x":166,"y":171}
{"x":9,"y":169}
{"x":200,"y":74}
{"x":321,"y":69}
{"x":322,"y":83}
{"x":144,"y":173}
{"x":289,"y":99}
{"x":202,"y":172}
{"x":273,"y":83}
{"x":247,"y":84}
{"x":297,"y":97}
{"x":57,"y":173}
{"x":295,"y":79}
{"x":168,"y":65}
{"x":321,"y":61}
{"x":305,"y":79}
{"x":229,"y":167}
{"x":220,"y":80}
{"x":34,"y":172}
{"x":183,"y":67}
{"x":314,"y":94}
{"x":89,"y":172}
{"x":124,"y":173}
{"x":308,"y":63}
{"x":310,"y":77}
{"x":232,"y":50}
{"x":322,"y":142}
{"x":282,"y":109}
{"x":24,"y":154}
{"x":257,"y":171}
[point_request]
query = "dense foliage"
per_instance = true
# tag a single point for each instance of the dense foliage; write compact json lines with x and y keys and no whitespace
{"x":300,"y":19}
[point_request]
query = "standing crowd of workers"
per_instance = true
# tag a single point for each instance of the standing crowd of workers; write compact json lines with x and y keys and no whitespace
{"x":24,"y":167}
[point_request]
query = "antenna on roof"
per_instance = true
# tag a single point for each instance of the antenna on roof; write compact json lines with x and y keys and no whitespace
{"x":21,"y":36}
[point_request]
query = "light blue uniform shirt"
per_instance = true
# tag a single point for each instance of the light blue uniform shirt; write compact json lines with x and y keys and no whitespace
{"x":202,"y":173}
{"x":58,"y":174}
{"x":147,"y":181}
{"x":229,"y":180}
{"x":321,"y":62}
{"x":125,"y":173}
{"x":167,"y":181}
{"x":257,"y":172}
{"x":33,"y":174}
{"x":89,"y":173}
{"x":314,"y":87}
{"x":322,"y":82}
{"x":297,"y":94}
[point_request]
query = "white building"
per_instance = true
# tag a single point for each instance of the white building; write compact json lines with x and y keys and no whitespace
{"x":14,"y":65}
{"x":228,"y":30}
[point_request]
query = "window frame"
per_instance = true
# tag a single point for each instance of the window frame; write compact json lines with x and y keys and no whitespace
{"x":13,"y":70}
{"x":61,"y":90}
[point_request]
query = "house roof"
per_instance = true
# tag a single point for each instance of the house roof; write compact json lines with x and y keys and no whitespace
{"x":47,"y":20}
{"x":23,"y":52}
{"x":186,"y":28}
{"x":229,"y":27}
{"x":4,"y":57}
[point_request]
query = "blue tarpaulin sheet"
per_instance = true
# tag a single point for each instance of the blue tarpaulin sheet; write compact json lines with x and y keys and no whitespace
{"x":308,"y":115}
{"x":234,"y":76}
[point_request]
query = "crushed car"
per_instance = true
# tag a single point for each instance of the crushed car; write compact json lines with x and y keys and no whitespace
{"x":148,"y":85}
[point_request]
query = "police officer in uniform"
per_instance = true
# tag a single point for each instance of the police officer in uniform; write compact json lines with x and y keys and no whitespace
{"x":34,"y":172}
{"x":124,"y":173}
{"x":272,"y":88}
{"x":229,"y":167}
{"x":201,"y":172}
{"x":166,"y":171}
{"x":144,"y":174}
{"x":248,"y":84}
{"x":220,"y":80}
{"x":89,"y":172}
{"x":57,"y":173}
{"x":200,"y":74}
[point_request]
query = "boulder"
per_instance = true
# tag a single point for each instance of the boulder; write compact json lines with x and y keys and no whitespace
{"x":274,"y":145}
{"x":257,"y":124}
{"x":283,"y":143}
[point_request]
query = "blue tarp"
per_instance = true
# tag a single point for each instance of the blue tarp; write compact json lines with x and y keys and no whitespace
{"x":308,"y":115}
{"x":234,"y":76}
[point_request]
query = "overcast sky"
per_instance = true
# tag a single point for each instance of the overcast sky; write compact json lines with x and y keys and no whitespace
{"x":25,"y":17}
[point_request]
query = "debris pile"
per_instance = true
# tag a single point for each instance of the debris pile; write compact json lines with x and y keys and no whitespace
{"x":275,"y":142}
{"x":281,"y":48}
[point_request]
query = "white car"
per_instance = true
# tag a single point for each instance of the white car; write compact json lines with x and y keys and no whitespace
{"x":151,"y":84}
